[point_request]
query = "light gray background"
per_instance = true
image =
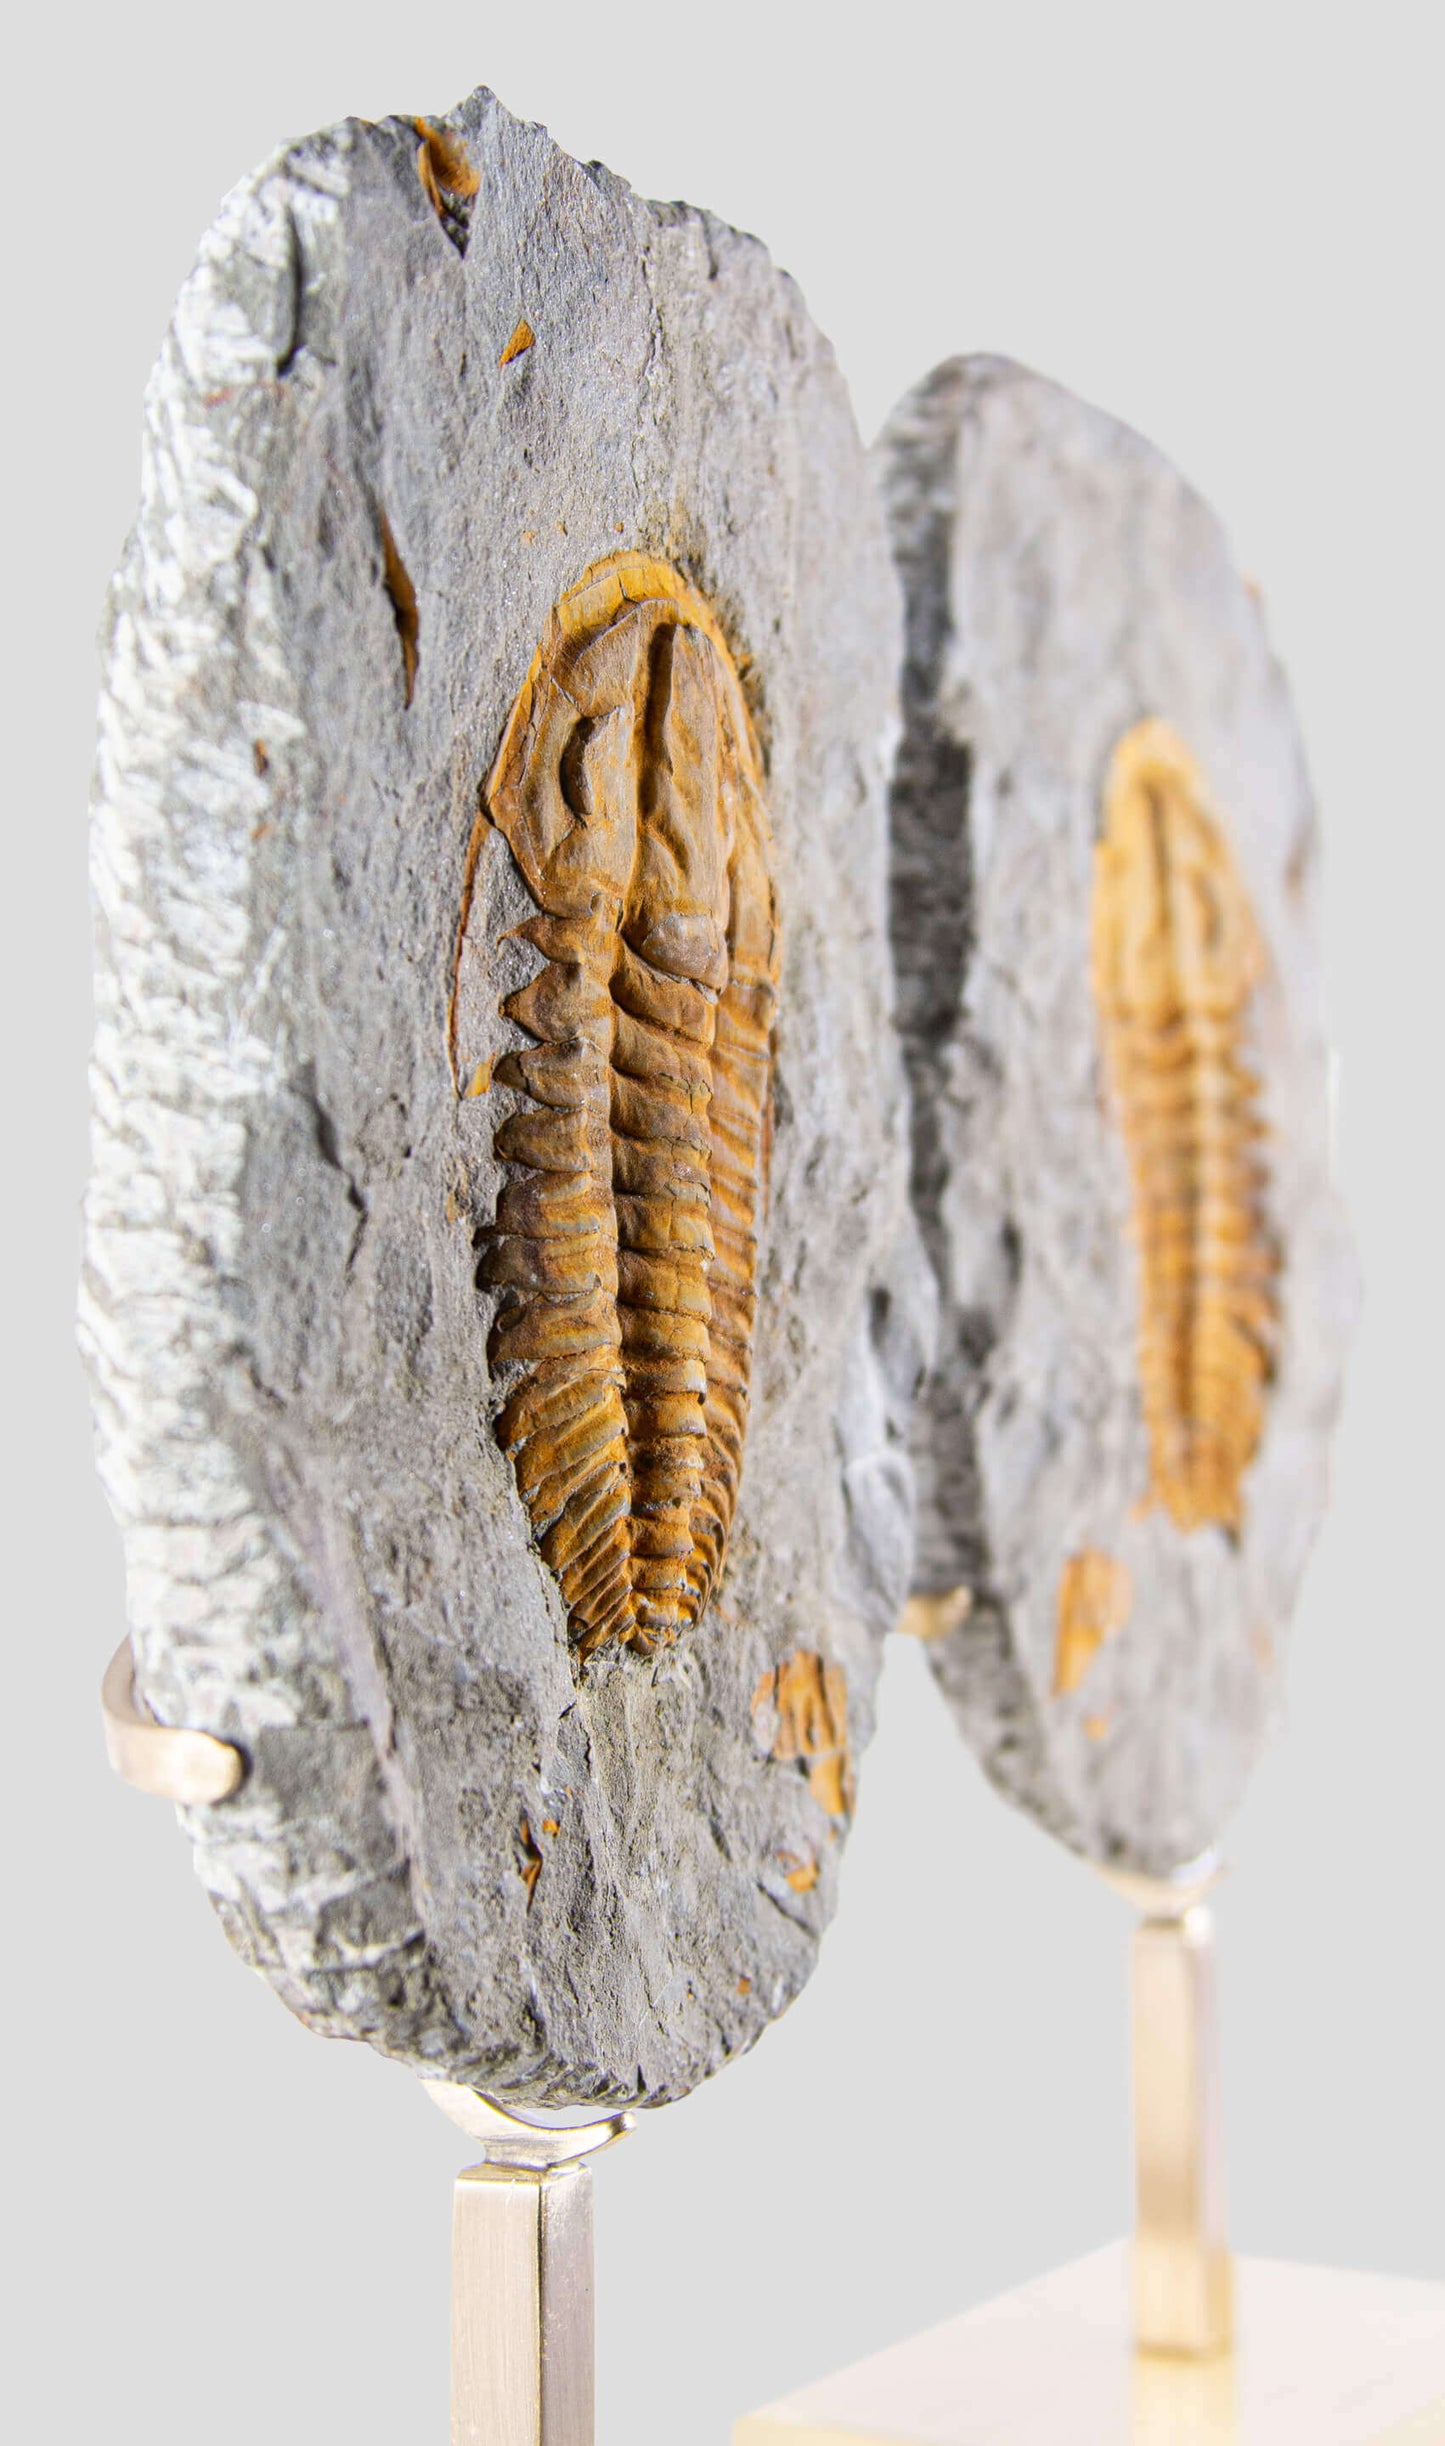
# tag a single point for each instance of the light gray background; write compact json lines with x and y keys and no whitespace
{"x":1225,"y":226}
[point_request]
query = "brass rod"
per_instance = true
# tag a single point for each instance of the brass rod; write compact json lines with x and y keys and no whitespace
{"x":1182,"y":2274}
{"x":522,"y":2332}
{"x":522,"y":2324}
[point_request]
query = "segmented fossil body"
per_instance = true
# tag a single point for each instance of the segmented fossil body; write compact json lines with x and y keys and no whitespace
{"x":628,"y":788}
{"x":1176,"y":959}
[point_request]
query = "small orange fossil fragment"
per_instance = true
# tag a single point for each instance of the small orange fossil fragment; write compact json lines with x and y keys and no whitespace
{"x":523,"y":338}
{"x":745,"y":1987}
{"x":1098,"y":1727}
{"x":531,"y":1860}
{"x":443,"y":167}
{"x":1176,"y":959}
{"x":1095,"y":1595}
{"x":481,"y":1078}
{"x":403,"y":605}
{"x":809,"y":1700}
{"x":802,"y":1875}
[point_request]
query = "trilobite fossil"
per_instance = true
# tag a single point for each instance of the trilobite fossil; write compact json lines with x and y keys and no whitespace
{"x":1176,"y":959}
{"x":624,"y":1248}
{"x":1105,"y":922}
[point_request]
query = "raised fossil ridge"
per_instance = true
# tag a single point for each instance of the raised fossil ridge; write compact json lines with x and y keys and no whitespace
{"x":625,"y":1246}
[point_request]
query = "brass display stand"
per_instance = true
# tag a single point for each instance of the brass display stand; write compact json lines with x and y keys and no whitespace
{"x":522,"y":2331}
{"x":1170,"y":2343}
{"x":522,"y":2334}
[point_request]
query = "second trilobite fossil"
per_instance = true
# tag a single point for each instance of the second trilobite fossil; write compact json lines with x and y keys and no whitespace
{"x":1176,"y":959}
{"x":628,"y":787}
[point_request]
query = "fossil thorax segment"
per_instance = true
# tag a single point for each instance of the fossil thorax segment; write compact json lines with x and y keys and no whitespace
{"x":628,"y":788}
{"x":1176,"y":960}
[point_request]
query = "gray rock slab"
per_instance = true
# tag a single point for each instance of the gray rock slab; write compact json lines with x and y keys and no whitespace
{"x":1116,"y":1666}
{"x":412,"y":390}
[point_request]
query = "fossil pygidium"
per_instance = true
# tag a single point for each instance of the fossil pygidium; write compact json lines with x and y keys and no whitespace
{"x":1176,"y":959}
{"x":628,"y":787}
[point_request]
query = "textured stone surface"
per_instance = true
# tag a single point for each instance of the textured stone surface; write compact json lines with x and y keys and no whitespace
{"x":1115,"y":1672}
{"x":392,"y":423}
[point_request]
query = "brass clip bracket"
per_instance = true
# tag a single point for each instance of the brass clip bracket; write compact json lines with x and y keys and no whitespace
{"x":171,"y":1761}
{"x":508,"y":2139}
{"x":522,"y":2323}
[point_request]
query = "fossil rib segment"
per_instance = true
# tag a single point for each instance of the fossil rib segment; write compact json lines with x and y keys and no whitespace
{"x":628,"y":787}
{"x":800,"y":1711}
{"x":1176,"y":958}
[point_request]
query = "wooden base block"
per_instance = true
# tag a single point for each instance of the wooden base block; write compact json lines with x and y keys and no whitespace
{"x":1321,"y":2359}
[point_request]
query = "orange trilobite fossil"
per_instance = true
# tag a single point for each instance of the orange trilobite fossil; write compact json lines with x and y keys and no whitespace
{"x":628,"y":787}
{"x":1176,"y":960}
